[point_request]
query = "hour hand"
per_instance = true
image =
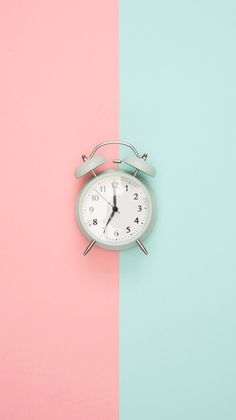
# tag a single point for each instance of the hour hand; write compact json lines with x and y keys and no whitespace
{"x":111,"y":216}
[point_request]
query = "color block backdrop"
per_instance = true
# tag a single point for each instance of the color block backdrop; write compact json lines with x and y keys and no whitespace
{"x":109,"y":336}
{"x":177,"y":307}
{"x":58,"y":311}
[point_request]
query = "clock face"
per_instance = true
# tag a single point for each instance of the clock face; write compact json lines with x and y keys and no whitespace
{"x":114,"y":209}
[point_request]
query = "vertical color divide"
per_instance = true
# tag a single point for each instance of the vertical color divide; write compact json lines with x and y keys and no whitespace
{"x":58,"y":310}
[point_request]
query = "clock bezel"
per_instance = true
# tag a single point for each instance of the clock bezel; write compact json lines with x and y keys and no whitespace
{"x":79,"y":203}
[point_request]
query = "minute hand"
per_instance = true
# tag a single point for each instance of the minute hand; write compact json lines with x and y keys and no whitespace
{"x":114,"y":199}
{"x":108,"y":202}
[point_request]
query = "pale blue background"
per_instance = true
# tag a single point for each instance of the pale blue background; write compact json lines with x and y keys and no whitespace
{"x":178,"y":305}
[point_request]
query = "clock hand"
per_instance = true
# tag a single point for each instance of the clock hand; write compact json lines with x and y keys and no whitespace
{"x":108,"y":202}
{"x":111,"y":216}
{"x":114,"y":199}
{"x":104,"y":198}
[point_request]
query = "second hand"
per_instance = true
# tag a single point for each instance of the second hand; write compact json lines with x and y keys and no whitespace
{"x":106,"y":200}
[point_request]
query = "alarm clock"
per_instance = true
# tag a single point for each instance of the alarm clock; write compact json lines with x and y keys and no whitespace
{"x":115,"y":209}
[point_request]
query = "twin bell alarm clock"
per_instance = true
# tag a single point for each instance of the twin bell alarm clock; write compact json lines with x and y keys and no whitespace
{"x":115,"y":209}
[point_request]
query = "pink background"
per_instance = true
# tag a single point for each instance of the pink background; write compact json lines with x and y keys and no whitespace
{"x":58,"y":317}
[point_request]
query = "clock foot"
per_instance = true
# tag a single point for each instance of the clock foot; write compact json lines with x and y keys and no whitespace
{"x":142,"y":247}
{"x":89,"y":247}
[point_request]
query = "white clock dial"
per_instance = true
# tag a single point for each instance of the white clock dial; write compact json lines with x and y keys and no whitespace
{"x":115,"y":209}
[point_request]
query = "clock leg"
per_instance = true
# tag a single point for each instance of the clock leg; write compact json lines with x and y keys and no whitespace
{"x":141,"y":246}
{"x":89,"y":247}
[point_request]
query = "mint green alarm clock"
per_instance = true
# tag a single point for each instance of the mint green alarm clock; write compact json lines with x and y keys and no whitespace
{"x":115,"y":209}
